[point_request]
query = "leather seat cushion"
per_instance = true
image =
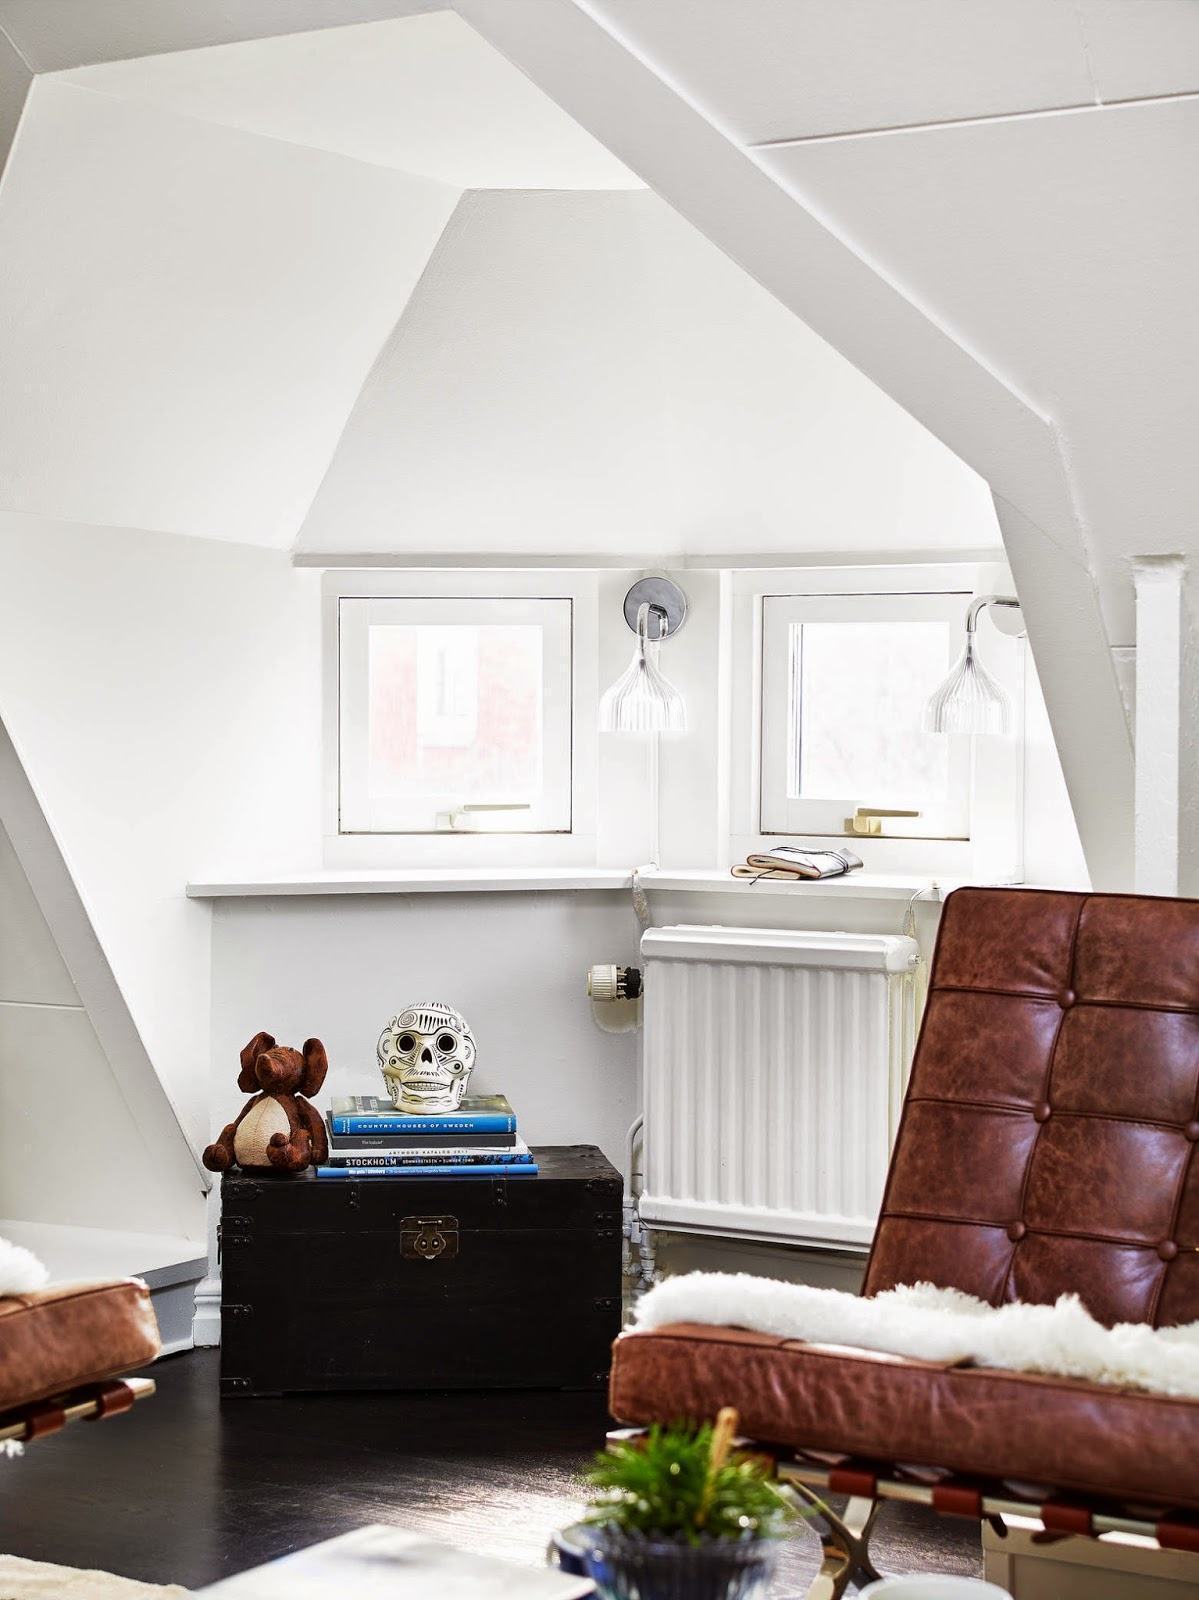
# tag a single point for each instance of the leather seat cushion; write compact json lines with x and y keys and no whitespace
{"x":1063,"y":1433}
{"x":72,"y":1334}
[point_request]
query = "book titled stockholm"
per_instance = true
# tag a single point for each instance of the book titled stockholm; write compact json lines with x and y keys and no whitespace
{"x":368,"y":1137}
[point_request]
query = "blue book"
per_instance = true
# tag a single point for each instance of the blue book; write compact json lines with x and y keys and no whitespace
{"x":354,"y":1156}
{"x":516,"y":1169}
{"x":367,"y":1113}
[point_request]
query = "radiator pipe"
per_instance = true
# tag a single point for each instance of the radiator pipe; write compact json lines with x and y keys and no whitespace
{"x":640,"y":1266}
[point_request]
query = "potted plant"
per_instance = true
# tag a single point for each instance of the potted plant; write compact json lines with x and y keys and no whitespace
{"x":679,"y":1515}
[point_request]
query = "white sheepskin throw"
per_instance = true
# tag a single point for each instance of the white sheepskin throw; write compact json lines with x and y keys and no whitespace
{"x":38,"y":1580}
{"x":944,"y":1325}
{"x":20,"y":1269}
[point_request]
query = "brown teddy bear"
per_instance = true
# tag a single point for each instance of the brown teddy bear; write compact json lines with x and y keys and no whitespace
{"x":278,"y":1129}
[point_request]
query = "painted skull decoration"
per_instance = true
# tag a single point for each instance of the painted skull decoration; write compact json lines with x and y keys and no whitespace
{"x":426,"y":1054}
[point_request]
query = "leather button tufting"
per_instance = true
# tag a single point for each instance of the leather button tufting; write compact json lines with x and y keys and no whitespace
{"x":1192,"y":1131}
{"x":1042,"y":1112}
{"x":1066,"y":999}
{"x":1016,"y":1231}
{"x":1167,"y":1250}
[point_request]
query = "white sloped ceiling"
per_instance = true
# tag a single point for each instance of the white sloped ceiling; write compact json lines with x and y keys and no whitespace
{"x":187,"y":312}
{"x":425,"y":95}
{"x":584,"y":375}
{"x":1023,"y":173}
{"x":1065,"y":250}
{"x":53,"y":34}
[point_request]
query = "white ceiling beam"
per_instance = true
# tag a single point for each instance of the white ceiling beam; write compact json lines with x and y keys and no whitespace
{"x":1159,"y":663}
{"x":58,"y":897}
{"x":1077,"y":672}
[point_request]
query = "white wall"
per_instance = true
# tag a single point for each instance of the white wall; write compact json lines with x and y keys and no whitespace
{"x":515,"y":965}
{"x":584,"y":375}
{"x":162,"y":693}
{"x":187,"y":313}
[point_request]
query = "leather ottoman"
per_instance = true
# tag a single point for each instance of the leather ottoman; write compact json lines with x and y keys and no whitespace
{"x":69,"y":1335}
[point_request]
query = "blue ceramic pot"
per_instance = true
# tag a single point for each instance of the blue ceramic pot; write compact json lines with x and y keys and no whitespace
{"x":649,"y":1569}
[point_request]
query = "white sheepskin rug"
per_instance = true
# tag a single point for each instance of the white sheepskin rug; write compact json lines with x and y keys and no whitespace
{"x":943,"y":1325}
{"x":20,"y":1270}
{"x":39,"y":1580}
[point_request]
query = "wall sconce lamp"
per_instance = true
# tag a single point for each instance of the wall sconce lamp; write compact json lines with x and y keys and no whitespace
{"x":643,"y":700}
{"x":970,"y":700}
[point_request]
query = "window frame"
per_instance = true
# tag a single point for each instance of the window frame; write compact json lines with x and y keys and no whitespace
{"x":995,"y":846}
{"x":783,"y":816}
{"x":467,"y":590}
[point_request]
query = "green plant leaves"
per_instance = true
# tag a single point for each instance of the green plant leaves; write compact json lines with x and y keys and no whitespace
{"x":666,"y":1485}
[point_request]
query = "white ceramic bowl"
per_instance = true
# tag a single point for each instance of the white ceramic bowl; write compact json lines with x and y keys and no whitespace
{"x":932,"y":1586}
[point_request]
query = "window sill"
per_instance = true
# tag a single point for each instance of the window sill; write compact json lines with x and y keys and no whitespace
{"x":509,"y":880}
{"x":416,"y":880}
{"x":853,"y":886}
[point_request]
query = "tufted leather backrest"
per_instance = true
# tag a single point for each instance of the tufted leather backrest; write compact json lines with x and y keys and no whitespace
{"x":1049,"y":1133}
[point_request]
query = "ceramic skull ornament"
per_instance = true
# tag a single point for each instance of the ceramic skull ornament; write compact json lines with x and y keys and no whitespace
{"x":425,"y":1055}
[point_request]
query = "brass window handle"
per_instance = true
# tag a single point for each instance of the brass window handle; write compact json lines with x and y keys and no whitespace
{"x":460,"y":813}
{"x":868,"y":819}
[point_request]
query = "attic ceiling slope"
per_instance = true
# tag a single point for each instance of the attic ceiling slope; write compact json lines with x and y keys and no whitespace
{"x":1095,"y":320}
{"x":1132,"y":54}
{"x":545,"y":395}
{"x":425,"y":95}
{"x":777,"y":70}
{"x":15,"y":78}
{"x":187,"y":313}
{"x":638,"y":101}
{"x":53,"y":34}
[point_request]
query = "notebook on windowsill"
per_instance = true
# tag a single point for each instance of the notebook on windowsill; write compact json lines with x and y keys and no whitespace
{"x":796,"y":862}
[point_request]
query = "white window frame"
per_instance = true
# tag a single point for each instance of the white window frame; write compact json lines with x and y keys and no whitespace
{"x":779,"y":813}
{"x":566,"y":835}
{"x":995,"y":847}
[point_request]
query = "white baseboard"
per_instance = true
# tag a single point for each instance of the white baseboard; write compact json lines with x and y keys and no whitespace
{"x":175,"y":1347}
{"x":206,"y":1323}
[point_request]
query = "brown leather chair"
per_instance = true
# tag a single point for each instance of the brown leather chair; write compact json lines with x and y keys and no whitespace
{"x":62,"y":1351}
{"x":1048,"y":1143}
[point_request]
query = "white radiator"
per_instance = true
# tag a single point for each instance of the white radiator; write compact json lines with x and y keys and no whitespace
{"x":775,"y":1066}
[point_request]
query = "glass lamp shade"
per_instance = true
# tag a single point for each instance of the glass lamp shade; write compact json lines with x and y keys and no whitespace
{"x":642,"y":700}
{"x":969,"y":701}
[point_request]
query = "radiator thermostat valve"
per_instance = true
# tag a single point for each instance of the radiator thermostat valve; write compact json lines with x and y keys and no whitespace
{"x":613,"y":983}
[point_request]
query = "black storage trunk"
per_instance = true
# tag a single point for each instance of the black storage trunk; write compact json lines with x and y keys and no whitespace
{"x":394,"y":1283}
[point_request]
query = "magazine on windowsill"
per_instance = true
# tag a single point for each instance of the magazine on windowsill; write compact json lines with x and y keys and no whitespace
{"x":795,"y":862}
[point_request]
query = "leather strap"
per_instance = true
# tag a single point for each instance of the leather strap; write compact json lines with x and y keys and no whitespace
{"x":851,"y":1480}
{"x":1178,"y":1531}
{"x":958,"y":1499}
{"x":1063,"y":1516}
{"x":41,"y":1419}
{"x":110,"y":1399}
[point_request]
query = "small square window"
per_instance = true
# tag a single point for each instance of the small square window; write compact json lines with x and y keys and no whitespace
{"x":454,"y":715}
{"x":845,"y":679}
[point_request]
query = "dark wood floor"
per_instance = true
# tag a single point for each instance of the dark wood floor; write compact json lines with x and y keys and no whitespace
{"x":187,"y":1490}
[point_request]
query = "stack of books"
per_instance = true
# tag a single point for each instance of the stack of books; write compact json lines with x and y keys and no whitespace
{"x":368,"y":1137}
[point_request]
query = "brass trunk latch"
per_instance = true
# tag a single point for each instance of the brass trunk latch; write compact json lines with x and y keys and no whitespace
{"x":428,"y":1238}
